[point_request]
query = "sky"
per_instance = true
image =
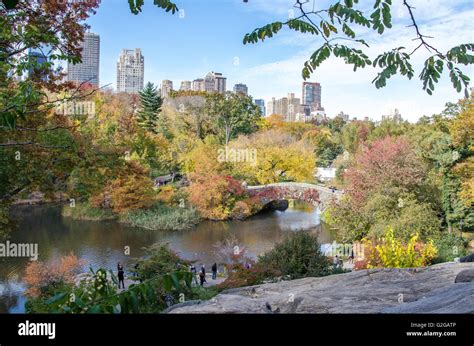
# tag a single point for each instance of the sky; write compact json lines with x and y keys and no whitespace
{"x":206,"y":35}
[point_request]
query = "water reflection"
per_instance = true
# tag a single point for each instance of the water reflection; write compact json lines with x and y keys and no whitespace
{"x":102,"y":244}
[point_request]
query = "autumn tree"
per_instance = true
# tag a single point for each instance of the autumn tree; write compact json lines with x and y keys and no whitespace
{"x":37,"y":145}
{"x":385,"y":162}
{"x":278,"y":157}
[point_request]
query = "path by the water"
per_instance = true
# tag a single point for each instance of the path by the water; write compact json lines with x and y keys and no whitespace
{"x":209,"y":282}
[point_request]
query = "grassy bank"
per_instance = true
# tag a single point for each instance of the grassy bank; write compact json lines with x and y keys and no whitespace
{"x":162,"y":217}
{"x":84,"y":211}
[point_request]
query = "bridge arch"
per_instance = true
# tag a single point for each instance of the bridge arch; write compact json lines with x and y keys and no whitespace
{"x":316,"y":195}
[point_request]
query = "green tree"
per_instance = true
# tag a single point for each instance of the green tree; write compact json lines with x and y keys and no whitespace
{"x":150,"y":107}
{"x":234,"y":113}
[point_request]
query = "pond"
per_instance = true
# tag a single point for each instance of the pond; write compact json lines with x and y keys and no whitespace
{"x":103,"y":244}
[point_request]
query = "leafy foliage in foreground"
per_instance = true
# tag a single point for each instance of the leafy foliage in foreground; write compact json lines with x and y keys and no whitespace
{"x":390,"y":252}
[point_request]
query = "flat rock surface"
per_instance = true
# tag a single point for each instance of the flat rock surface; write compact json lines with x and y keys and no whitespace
{"x":428,"y":289}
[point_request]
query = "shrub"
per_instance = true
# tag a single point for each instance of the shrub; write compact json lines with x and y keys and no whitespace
{"x":215,"y":195}
{"x":160,"y":259}
{"x":240,"y":276}
{"x":132,"y":189}
{"x":450,"y":246}
{"x":298,"y":256}
{"x":390,"y":252}
{"x":43,"y":278}
{"x":241,"y":211}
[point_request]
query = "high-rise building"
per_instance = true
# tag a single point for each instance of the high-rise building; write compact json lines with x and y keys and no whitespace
{"x":294,"y":106}
{"x":241,"y":89}
{"x":185,"y":85}
{"x":220,"y":83}
{"x":166,"y":88}
{"x":261,"y":104}
{"x":288,"y":107}
{"x":198,"y":85}
{"x":271,"y":105}
{"x":86,"y":71}
{"x":215,"y":82}
{"x":281,"y":107}
{"x":130,"y":70}
{"x":311,"y":95}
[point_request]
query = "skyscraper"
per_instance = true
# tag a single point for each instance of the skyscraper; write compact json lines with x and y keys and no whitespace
{"x":220,"y":83}
{"x":288,"y":107}
{"x":261,"y":104}
{"x":166,"y":88}
{"x":130,"y":70}
{"x":271,"y":105}
{"x":86,"y":71}
{"x":311,"y":95}
{"x":215,"y":82}
{"x":241,"y":88}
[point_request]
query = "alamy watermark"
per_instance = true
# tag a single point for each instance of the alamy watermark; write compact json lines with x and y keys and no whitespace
{"x":227,"y":154}
{"x":355,"y":250}
{"x":76,"y":108}
{"x":9,"y":249}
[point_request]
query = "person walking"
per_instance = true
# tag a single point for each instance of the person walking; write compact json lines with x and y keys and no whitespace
{"x":120,"y":275}
{"x":214,"y":271}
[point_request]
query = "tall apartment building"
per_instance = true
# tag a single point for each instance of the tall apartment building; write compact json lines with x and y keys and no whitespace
{"x":241,"y":89}
{"x":311,"y":95}
{"x":288,"y":107}
{"x":130,"y":70}
{"x":215,"y":82}
{"x":166,"y":88}
{"x":86,"y":71}
{"x":281,"y":107}
{"x":198,"y":85}
{"x":271,"y":105}
{"x":261,"y":104}
{"x":185,"y":85}
{"x":294,"y":107}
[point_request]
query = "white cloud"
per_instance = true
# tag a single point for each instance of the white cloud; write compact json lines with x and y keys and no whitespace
{"x":353,"y":92}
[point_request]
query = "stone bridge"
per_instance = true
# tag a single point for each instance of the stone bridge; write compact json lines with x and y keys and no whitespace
{"x":317,"y":195}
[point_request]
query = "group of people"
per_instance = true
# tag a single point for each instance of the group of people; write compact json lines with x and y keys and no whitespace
{"x":202,"y":273}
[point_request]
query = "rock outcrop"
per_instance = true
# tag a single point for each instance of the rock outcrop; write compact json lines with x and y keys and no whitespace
{"x":418,"y":290}
{"x":467,"y":275}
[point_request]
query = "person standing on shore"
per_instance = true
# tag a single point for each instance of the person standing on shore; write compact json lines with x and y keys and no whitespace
{"x":193,"y":271}
{"x":120,"y":275}
{"x":202,"y":274}
{"x":214,"y":271}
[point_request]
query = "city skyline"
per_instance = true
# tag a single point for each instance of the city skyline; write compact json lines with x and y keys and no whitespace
{"x":210,"y":39}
